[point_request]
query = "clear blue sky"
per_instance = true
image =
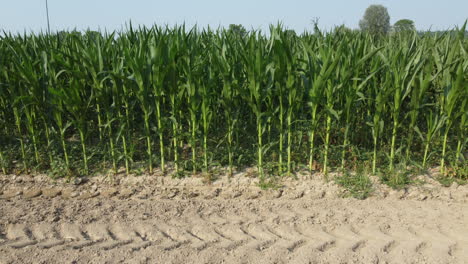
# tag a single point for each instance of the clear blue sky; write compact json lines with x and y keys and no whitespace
{"x":29,"y":15}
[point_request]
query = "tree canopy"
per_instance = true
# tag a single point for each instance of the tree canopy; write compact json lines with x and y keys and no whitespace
{"x":376,"y":20}
{"x":404,"y":25}
{"x":238,"y":29}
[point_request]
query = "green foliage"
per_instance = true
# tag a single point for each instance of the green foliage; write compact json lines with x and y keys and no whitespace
{"x":190,"y":100}
{"x":376,"y":20}
{"x":448,"y":181}
{"x":357,"y":185}
{"x":398,"y":178}
{"x":403,"y":25}
{"x":4,"y":162}
{"x":238,"y":29}
{"x":268,"y":184}
{"x":58,"y":169}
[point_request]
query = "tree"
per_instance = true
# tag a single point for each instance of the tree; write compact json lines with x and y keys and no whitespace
{"x":238,"y":29}
{"x":404,"y":25}
{"x":376,"y":20}
{"x":290,"y":32}
{"x":344,"y":28}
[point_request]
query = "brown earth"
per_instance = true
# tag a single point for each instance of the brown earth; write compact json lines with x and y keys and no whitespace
{"x":154,"y":219}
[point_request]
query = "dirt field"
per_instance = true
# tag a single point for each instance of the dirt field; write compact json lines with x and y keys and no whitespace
{"x":161,"y":220}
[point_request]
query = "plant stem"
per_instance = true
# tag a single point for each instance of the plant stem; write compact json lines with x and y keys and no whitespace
{"x":176,"y":156}
{"x":345,"y":144}
{"x":289,"y":143}
{"x":34,"y":139}
{"x":2,"y":160}
{"x":260,"y":146}
{"x":444,"y":147}
{"x":64,"y":147}
{"x":327,"y":144}
{"x":98,"y":110}
{"x":392,"y":151}
{"x":426,"y":150}
{"x":161,"y":140}
{"x":194,"y":141}
{"x":280,"y":158}
{"x":49,"y":143}
{"x":148,"y":144}
{"x":230,"y":145}
{"x":83,"y":147}
{"x":111,"y":143}
{"x":312,"y":137}
{"x":124,"y":143}
{"x":18,"y":126}
{"x":374,"y":159}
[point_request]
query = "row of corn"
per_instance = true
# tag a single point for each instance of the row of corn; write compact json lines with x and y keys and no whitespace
{"x":193,"y":100}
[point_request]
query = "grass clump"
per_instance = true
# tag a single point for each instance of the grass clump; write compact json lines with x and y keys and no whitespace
{"x":458,"y":174}
{"x":269,"y":184}
{"x":397,"y":179}
{"x":357,"y":185}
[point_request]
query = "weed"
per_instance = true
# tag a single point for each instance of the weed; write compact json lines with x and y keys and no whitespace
{"x":357,"y":185}
{"x":266,"y":184}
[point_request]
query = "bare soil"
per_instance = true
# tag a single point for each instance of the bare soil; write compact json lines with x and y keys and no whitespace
{"x":155,"y":219}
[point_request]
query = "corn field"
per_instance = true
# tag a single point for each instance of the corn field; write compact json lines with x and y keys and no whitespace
{"x":189,"y":101}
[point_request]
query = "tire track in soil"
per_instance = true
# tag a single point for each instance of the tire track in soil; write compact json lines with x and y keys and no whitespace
{"x":284,"y":231}
{"x":243,"y":239}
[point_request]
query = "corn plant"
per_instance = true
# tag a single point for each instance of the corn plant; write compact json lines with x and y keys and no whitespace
{"x":404,"y":71}
{"x":377,"y":98}
{"x":258,"y":71}
{"x":159,"y":56}
{"x":313,"y":82}
{"x":141,"y":65}
{"x":452,"y":96}
{"x":433,"y":123}
{"x":149,"y":97}
{"x":324,"y":68}
{"x":225,"y":60}
{"x":354,"y":80}
{"x":418,"y":97}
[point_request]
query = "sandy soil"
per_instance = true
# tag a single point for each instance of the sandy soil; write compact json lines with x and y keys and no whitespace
{"x":153,"y":219}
